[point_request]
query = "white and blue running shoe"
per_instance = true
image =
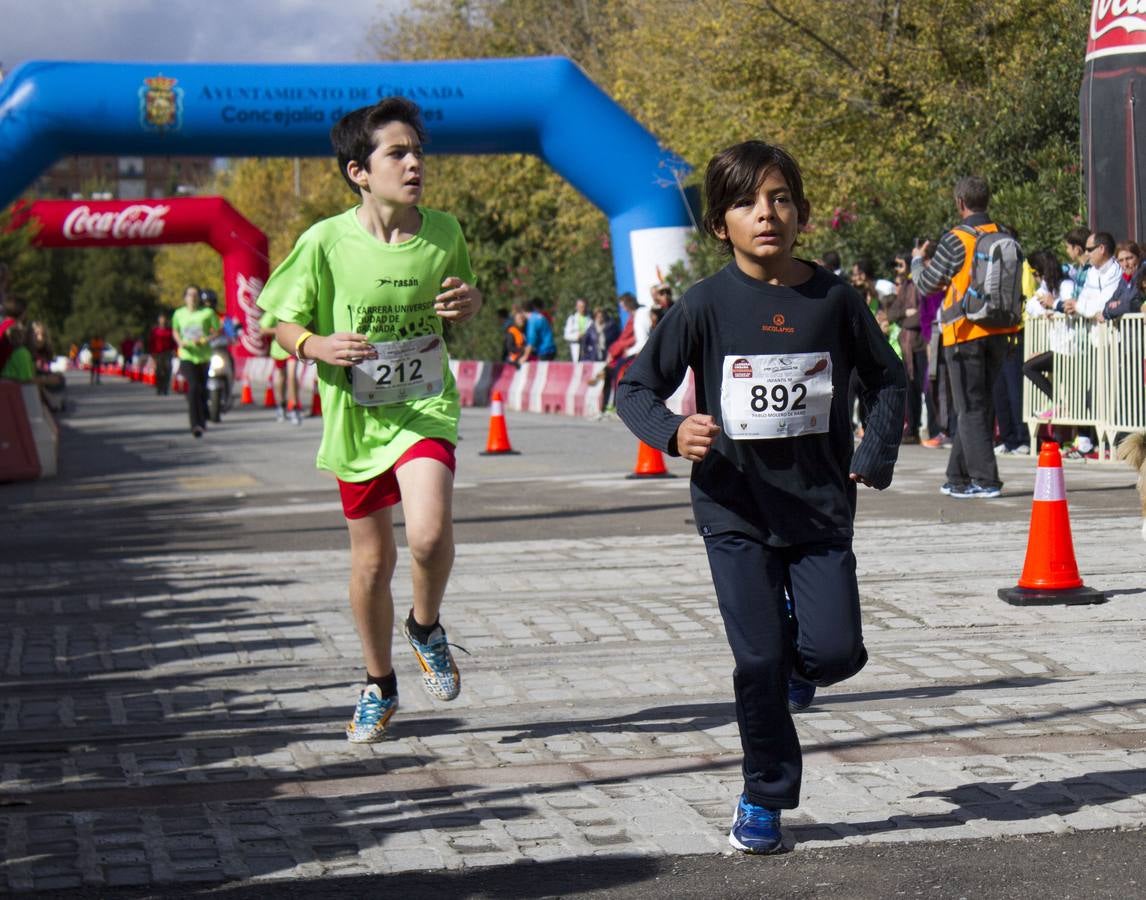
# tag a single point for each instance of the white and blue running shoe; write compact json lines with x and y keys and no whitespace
{"x":440,"y":676}
{"x":371,"y":716}
{"x":755,"y":829}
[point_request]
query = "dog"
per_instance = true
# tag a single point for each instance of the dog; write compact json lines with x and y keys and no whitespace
{"x":1132,"y":449}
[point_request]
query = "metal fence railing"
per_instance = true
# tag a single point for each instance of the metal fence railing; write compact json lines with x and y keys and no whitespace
{"x":1098,"y":374}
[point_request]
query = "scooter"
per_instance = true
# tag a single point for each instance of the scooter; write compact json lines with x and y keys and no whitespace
{"x":220,"y":378}
{"x":220,"y":367}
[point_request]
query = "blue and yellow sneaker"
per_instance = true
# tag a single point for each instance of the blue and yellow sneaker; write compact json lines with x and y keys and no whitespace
{"x":755,"y":829}
{"x":440,"y":676}
{"x":800,"y":694}
{"x":371,"y":716}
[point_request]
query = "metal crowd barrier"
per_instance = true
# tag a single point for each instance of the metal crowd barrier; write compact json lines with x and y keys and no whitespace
{"x":1098,"y":373}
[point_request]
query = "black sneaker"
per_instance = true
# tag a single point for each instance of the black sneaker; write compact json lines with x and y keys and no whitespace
{"x":976,"y":491}
{"x":800,"y":694}
{"x":950,"y":487}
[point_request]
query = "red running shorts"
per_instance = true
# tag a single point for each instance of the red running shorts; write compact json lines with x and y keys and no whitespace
{"x":361,"y":498}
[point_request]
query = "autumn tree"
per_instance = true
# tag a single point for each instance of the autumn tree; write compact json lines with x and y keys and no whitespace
{"x":885,"y":103}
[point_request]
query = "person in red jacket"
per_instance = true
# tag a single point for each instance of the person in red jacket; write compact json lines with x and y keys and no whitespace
{"x":617,"y":357}
{"x":160,"y":346}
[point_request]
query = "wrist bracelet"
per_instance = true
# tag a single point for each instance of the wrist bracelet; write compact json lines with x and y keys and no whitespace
{"x":302,"y":339}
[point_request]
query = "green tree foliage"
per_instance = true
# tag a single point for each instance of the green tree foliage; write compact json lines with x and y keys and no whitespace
{"x":113,"y":295}
{"x":78,"y":294}
{"x":885,"y":103}
{"x":27,"y":276}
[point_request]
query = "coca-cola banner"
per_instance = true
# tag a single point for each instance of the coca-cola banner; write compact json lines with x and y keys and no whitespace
{"x":172,"y":220}
{"x":1117,"y":26}
{"x":1112,"y":122}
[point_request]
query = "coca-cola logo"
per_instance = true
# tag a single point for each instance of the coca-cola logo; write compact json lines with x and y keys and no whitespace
{"x":140,"y":221}
{"x":247,"y":292}
{"x":1117,"y":26}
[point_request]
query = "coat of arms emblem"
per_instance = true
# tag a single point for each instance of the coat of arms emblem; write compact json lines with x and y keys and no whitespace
{"x":160,"y":104}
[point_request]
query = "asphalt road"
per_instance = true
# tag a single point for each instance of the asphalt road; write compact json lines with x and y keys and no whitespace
{"x":134,"y":485}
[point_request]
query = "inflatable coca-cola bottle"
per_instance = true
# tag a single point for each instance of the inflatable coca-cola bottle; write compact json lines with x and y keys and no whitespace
{"x":1112,"y":103}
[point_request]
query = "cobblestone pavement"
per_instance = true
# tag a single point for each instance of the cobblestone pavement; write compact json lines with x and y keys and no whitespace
{"x":173,"y":716}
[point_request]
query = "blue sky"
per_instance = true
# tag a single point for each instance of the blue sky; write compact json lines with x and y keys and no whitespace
{"x":190,"y":30}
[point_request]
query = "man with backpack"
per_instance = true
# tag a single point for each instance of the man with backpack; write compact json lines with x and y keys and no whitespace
{"x":980,"y":266}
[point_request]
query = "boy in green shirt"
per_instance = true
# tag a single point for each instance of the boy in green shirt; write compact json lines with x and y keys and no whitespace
{"x":363,"y":295}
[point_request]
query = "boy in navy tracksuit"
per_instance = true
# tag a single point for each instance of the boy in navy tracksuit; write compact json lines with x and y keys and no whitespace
{"x":772,"y":341}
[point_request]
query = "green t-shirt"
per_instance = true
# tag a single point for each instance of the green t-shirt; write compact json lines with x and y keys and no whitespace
{"x":20,"y":366}
{"x":269,"y":321}
{"x":339,"y":277}
{"x":191,"y":326}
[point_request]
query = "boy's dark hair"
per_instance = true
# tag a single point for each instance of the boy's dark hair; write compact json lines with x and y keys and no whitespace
{"x":736,"y":172}
{"x":1077,"y":236}
{"x":831,"y":260}
{"x":628,"y":301}
{"x":974,"y":192}
{"x":353,"y":136}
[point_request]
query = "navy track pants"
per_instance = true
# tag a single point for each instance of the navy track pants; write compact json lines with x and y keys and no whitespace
{"x":823,"y":643}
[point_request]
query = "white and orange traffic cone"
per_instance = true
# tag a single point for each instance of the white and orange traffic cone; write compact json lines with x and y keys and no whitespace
{"x":1050,"y":573}
{"x":650,"y":463}
{"x":248,"y":397}
{"x":269,"y":396}
{"x":497,"y":444}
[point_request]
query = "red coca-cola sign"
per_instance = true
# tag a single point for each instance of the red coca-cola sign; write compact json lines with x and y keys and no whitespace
{"x":1116,"y":26}
{"x":139,"y":221}
{"x":172,"y":220}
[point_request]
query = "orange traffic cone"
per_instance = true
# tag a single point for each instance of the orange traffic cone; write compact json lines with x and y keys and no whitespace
{"x":498,"y":442}
{"x":247,"y":398}
{"x":269,"y":396}
{"x":650,"y":463}
{"x":1050,"y":573}
{"x":315,"y":404}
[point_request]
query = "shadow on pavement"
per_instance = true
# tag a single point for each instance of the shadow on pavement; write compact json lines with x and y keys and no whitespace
{"x":1001,"y":801}
{"x":996,"y":801}
{"x":711,"y":715}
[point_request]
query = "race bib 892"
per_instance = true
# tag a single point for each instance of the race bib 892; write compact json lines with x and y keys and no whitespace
{"x":776,"y":395}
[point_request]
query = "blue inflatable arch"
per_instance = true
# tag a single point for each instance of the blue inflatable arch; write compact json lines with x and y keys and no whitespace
{"x":545,"y":106}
